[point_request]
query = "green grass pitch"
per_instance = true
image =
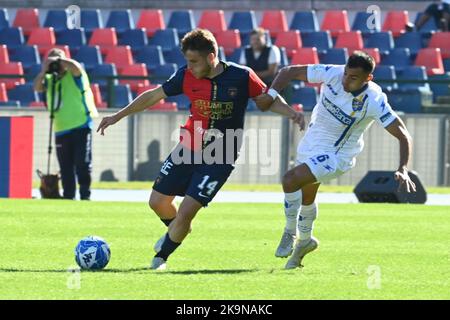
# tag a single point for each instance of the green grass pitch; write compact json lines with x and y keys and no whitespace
{"x":377,"y":251}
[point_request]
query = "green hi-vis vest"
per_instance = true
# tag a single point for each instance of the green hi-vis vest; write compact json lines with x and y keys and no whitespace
{"x":74,"y":104}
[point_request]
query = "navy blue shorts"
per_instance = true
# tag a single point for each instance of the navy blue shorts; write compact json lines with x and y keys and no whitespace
{"x":199,"y":181}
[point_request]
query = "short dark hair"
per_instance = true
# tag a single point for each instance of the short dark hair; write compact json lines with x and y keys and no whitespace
{"x":201,"y":40}
{"x":360,"y":59}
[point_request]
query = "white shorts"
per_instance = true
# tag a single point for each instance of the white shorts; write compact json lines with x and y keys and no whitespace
{"x":325,"y":166}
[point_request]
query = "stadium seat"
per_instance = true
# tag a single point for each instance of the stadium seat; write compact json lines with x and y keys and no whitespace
{"x":43,"y":38}
{"x":27,"y":55}
{"x":135,"y":38}
{"x":121,"y":56}
{"x":290,"y":40}
{"x":98,"y":100}
{"x":274,"y":21}
{"x":412,"y":73}
{"x":175,"y":56}
{"x":12,"y":68}
{"x":10,"y":103}
{"x":164,"y":106}
{"x":305,"y":21}
{"x":229,"y":40}
{"x":320,"y":40}
{"x":244,"y":21}
{"x":152,"y":56}
{"x":431,"y":59}
{"x":373,"y":52}
{"x":28,"y":19}
{"x":440,"y":89}
{"x":4,"y":19}
{"x":351,"y":40}
{"x":3,"y":93}
{"x":167,"y":39}
{"x":334,"y":56}
{"x":101,"y":71}
{"x":395,"y":21}
{"x":138,"y":69}
{"x":236,"y":55}
{"x":182,"y":21}
{"x":429,"y":26}
{"x":122,"y":96}
{"x":398,"y":57}
{"x":446,"y":64}
{"x":105,"y":38}
{"x":306,"y":96}
{"x":90,"y":56}
{"x":90,"y":20}
{"x":284,"y":61}
{"x":411,"y":40}
{"x":121,"y":20}
{"x":381,"y":40}
{"x":360,"y":23}
{"x":441,"y":40}
{"x":4,"y":54}
{"x":213,"y":20}
{"x":64,"y":48}
{"x":74,"y":38}
{"x":305,"y":56}
{"x":335,"y":21}
{"x":57,"y":19}
{"x":23,"y":93}
{"x":12,"y":37}
{"x":151,"y":20}
{"x":32,"y":71}
{"x":162,"y":73}
{"x":182,"y":101}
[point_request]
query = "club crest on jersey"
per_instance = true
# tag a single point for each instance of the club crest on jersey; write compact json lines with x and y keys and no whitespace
{"x":232,"y":92}
{"x":358,"y":103}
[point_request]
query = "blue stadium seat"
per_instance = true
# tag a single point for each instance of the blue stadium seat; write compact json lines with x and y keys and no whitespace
{"x":244,"y":21}
{"x":12,"y":37}
{"x":409,"y":102}
{"x":28,"y":55}
{"x":398,"y":57}
{"x":307,"y":96}
{"x":360,"y":23}
{"x":284,"y":61}
{"x":105,"y":69}
{"x":90,"y":20}
{"x":10,"y":103}
{"x":135,"y":38}
{"x":167,"y":39}
{"x":152,"y":56}
{"x":446,"y":64}
{"x":251,"y":105}
{"x":182,"y":101}
{"x":182,"y":21}
{"x":412,"y":73}
{"x":334,"y":56}
{"x":429,"y":26}
{"x":122,"y":95}
{"x":23,"y":93}
{"x":57,"y":19}
{"x":381,"y":40}
{"x":74,"y":38}
{"x":385,"y":73}
{"x":320,"y":39}
{"x":4,"y":19}
{"x":122,"y":20}
{"x":220,"y":54}
{"x":411,"y":40}
{"x":305,"y":21}
{"x":90,"y":56}
{"x":163,"y":72}
{"x":175,"y":56}
{"x":236,"y":55}
{"x":440,"y":89}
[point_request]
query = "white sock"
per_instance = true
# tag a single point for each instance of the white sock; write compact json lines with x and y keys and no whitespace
{"x":292,"y":203}
{"x":306,"y":219}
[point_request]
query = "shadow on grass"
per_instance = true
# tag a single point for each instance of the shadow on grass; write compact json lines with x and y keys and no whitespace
{"x":181,"y":272}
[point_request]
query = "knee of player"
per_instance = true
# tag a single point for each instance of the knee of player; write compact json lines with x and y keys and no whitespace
{"x":288,"y":179}
{"x":154,"y":204}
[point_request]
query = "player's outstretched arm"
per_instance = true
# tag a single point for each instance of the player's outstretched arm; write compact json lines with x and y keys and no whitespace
{"x":280,"y":106}
{"x":147,"y":98}
{"x":398,"y":130}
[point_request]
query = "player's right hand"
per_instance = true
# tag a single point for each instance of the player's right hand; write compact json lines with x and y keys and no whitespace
{"x":106,"y":122}
{"x":299,"y":119}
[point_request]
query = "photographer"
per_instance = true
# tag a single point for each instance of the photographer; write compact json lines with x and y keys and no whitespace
{"x":68,"y":93}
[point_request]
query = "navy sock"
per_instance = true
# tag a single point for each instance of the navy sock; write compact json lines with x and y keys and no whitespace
{"x":167,"y":248}
{"x":167,"y":221}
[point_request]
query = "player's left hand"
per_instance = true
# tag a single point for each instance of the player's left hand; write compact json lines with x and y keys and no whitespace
{"x":299,"y":118}
{"x":404,"y":180}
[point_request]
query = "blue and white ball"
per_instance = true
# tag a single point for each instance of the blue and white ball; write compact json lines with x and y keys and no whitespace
{"x":92,"y":253}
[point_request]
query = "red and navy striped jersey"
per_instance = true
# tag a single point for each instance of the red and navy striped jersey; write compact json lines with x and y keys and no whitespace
{"x":218,"y":103}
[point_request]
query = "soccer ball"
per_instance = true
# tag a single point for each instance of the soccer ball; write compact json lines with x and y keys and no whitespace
{"x":92,"y":253}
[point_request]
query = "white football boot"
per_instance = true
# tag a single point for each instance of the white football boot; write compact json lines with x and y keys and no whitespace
{"x":158,"y":263}
{"x":302,"y":248}
{"x":158,"y":244}
{"x":286,"y":245}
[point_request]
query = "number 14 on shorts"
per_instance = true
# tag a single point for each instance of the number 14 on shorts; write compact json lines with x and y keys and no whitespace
{"x":210,"y":187}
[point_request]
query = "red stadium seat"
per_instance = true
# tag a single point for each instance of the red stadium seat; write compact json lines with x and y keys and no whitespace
{"x":121,"y":56}
{"x":98,"y":96}
{"x":37,"y":104}
{"x":274,"y":21}
{"x":229,"y":40}
{"x":213,"y":20}
{"x":290,"y":40}
{"x":139,"y":69}
{"x":65,"y":48}
{"x":28,"y":19}
{"x":4,"y":55}
{"x":166,"y":106}
{"x":441,"y":40}
{"x":10,"y":69}
{"x":431,"y":59}
{"x":351,"y":40}
{"x":105,"y":38}
{"x":3,"y":93}
{"x":151,"y":20}
{"x":395,"y":21}
{"x":305,"y":56}
{"x":43,"y":38}
{"x":336,"y":21}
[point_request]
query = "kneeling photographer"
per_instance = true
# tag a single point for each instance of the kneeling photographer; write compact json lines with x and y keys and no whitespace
{"x":71,"y":105}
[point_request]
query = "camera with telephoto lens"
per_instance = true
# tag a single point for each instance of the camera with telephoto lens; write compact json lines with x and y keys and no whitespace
{"x":54,"y":66}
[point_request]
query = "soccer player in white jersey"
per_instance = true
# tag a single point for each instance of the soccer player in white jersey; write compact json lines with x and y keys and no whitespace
{"x":349,"y":103}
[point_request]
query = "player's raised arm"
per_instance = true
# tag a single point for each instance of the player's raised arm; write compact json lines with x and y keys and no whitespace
{"x":147,"y":98}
